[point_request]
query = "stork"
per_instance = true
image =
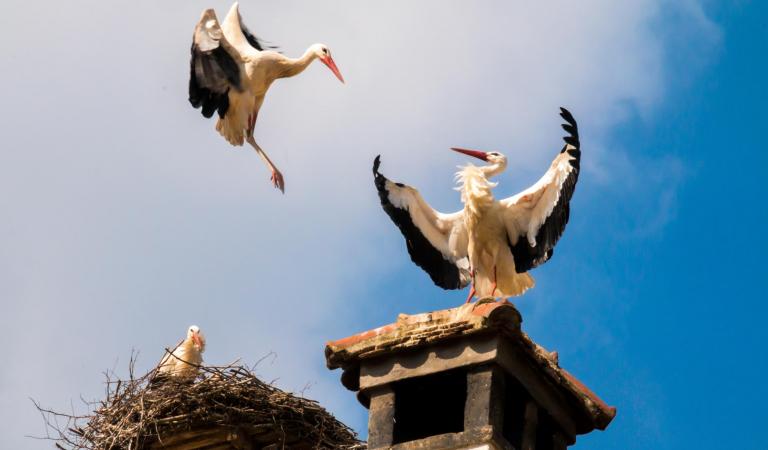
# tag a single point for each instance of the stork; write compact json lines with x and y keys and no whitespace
{"x":231,"y":71}
{"x":490,"y":244}
{"x":184,"y":361}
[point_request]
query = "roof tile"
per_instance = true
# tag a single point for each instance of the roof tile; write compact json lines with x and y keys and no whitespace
{"x":483,"y":316}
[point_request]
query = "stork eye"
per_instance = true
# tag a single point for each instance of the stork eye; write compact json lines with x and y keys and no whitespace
{"x":325,"y":50}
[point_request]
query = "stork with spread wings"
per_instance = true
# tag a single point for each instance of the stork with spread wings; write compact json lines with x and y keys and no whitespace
{"x":231,"y":71}
{"x":490,"y":244}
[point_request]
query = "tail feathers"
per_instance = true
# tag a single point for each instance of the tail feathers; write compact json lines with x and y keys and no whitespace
{"x":510,"y":284}
{"x":233,"y":126}
{"x":230,"y":131}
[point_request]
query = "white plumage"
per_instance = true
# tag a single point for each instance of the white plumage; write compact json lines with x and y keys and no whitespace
{"x":231,"y":71}
{"x":489,"y":243}
{"x":185,"y":360}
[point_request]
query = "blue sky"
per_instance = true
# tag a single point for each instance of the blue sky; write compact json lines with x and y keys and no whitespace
{"x":124,"y":217}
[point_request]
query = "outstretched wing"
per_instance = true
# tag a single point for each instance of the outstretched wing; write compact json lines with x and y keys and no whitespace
{"x":214,"y":67}
{"x":255,"y":42}
{"x":536,"y":218}
{"x":239,"y":35}
{"x":436,"y":242}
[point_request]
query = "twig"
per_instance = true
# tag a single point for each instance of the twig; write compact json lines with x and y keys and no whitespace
{"x":134,"y":415}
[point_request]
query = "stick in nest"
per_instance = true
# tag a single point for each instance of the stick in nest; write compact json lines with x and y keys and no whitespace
{"x":136,"y":413}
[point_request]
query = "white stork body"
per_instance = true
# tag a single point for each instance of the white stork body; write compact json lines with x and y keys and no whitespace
{"x":184,"y":361}
{"x":489,"y":243}
{"x":231,"y":71}
{"x":487,"y":246}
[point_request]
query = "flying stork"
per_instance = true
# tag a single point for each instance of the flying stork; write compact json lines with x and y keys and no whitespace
{"x":184,"y":361}
{"x":230,"y":72}
{"x":490,"y":243}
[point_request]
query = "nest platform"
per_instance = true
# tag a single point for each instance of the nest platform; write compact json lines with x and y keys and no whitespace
{"x":224,"y":408}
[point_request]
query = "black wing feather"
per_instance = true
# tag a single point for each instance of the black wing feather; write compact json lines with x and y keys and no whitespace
{"x":527,"y":257}
{"x":212,"y":72}
{"x":443,"y":272}
{"x":255,"y":42}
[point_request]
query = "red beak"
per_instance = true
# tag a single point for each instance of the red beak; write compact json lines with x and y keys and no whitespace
{"x":196,"y":339}
{"x":476,"y":153}
{"x":328,"y":61}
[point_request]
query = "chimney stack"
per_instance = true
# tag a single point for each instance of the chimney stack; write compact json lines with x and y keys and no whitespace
{"x":464,"y":378}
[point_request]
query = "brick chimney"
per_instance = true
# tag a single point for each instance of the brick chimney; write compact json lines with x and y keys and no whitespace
{"x":464,"y":378}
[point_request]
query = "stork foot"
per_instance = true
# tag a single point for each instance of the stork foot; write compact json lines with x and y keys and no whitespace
{"x":277,"y":180}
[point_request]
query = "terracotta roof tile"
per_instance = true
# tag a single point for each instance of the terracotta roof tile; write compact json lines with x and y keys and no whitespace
{"x":412,"y":331}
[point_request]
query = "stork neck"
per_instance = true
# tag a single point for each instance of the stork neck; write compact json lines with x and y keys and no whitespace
{"x":294,"y":66}
{"x":188,"y":345}
{"x":494,"y":169}
{"x":475,"y":190}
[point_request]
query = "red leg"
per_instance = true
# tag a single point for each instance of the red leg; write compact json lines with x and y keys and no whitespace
{"x":252,"y":122}
{"x":493,"y":291}
{"x":472,"y":289}
{"x":276,"y":177}
{"x":471,"y":293}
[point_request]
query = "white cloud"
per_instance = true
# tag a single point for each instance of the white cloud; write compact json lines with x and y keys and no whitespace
{"x":126,"y":218}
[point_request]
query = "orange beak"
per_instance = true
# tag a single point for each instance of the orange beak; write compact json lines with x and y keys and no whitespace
{"x":196,"y":339}
{"x":328,"y":61}
{"x":476,"y":153}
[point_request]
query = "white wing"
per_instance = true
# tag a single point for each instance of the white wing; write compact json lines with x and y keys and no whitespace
{"x":437,"y":242}
{"x":168,"y":363}
{"x":536,"y":218}
{"x":239,"y":35}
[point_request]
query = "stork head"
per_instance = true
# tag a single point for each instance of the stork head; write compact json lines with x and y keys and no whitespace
{"x":491,"y":157}
{"x":197,"y":338}
{"x":323,"y":53}
{"x":497,"y":162}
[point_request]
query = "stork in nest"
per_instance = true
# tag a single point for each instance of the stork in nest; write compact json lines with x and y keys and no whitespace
{"x":183,"y":363}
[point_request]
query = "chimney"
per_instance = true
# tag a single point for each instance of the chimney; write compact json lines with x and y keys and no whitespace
{"x":464,"y":378}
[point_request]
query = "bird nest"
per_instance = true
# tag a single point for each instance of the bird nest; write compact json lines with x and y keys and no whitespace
{"x":225,"y":407}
